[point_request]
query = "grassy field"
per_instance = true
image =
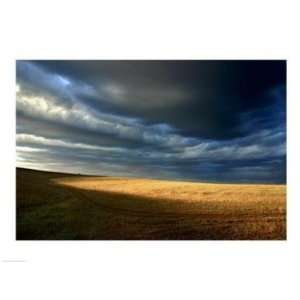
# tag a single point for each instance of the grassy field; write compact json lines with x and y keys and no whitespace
{"x":56,"y":206}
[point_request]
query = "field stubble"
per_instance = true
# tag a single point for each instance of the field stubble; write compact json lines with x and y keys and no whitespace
{"x":59,"y":206}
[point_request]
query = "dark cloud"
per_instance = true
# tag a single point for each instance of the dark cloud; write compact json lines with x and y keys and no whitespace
{"x":204,"y":120}
{"x":198,"y":98}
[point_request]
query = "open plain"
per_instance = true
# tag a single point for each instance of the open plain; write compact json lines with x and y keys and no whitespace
{"x":57,"y":206}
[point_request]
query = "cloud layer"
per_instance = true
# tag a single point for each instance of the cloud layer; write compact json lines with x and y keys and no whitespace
{"x":192,"y":120}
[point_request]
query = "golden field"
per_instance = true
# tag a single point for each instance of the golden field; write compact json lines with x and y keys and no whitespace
{"x":61,"y":206}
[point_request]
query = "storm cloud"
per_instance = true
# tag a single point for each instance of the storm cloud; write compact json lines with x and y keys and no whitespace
{"x":191,"y":120}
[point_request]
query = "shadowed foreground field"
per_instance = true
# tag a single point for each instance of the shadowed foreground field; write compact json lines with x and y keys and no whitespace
{"x":56,"y":206}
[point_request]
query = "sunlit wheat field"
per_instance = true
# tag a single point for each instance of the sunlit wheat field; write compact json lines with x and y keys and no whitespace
{"x":61,"y":206}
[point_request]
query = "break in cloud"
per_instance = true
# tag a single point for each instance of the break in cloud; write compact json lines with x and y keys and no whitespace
{"x":192,"y":120}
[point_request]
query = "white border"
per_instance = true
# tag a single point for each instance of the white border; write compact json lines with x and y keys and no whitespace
{"x":140,"y":30}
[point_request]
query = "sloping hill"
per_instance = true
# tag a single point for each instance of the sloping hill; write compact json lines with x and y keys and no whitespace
{"x":54,"y":206}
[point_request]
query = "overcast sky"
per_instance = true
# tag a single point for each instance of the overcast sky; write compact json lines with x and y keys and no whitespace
{"x":191,"y":120}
